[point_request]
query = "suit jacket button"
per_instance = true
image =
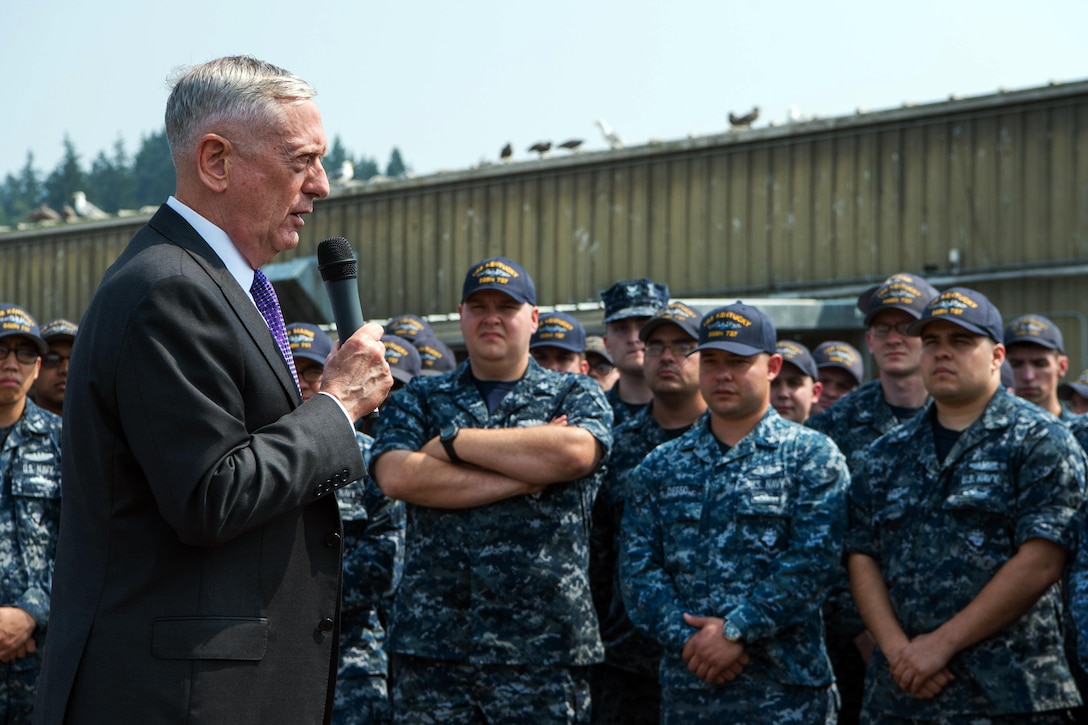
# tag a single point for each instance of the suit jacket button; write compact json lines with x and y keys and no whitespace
{"x":325,"y":625}
{"x":332,"y":540}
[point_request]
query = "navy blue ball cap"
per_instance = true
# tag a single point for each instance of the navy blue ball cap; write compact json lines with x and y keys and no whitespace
{"x":737,"y":328}
{"x":502,"y":274}
{"x":799,"y":356}
{"x":679,"y":314}
{"x":435,"y":356}
{"x":839,"y":354}
{"x":1080,"y":387}
{"x":965,"y":307}
{"x":1034,"y":330}
{"x":902,"y":291}
{"x":633,"y":298}
{"x":308,"y":341}
{"x":14,"y":320}
{"x":595,"y":346}
{"x":558,"y":329}
{"x":59,"y":329}
{"x":402,"y":356}
{"x":408,"y":326}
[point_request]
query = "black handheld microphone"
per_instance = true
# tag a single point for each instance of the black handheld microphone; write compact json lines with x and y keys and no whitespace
{"x":338,"y":268}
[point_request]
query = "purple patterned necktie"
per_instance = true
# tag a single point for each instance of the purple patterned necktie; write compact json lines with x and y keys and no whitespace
{"x":269,"y":305}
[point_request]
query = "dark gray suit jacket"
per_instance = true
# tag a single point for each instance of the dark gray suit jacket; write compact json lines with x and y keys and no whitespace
{"x":198,"y":569}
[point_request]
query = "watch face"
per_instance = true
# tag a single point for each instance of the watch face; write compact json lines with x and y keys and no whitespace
{"x":448,"y":432}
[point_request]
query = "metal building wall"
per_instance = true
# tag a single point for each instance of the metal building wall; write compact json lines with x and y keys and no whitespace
{"x":817,"y":209}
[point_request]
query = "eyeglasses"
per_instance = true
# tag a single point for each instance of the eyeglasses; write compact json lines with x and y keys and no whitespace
{"x":311,"y":375}
{"x":678,"y":349}
{"x":25,"y":355}
{"x":54,"y":359}
{"x":881,"y":329}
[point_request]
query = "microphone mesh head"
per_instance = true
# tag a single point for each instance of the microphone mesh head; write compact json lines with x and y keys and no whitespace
{"x":335,"y":260}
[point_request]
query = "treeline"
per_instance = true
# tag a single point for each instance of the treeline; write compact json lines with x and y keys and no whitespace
{"x":118,"y":181}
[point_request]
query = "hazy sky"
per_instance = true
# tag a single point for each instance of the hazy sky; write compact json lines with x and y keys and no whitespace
{"x":450,"y":82}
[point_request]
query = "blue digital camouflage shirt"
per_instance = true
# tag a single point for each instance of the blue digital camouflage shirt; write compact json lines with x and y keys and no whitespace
{"x":940,"y":531}
{"x":625,"y":646}
{"x":30,"y":517}
{"x":506,"y":583}
{"x":1077,"y":570}
{"x":753,"y":536}
{"x":373,"y":562}
{"x":621,"y":411}
{"x":853,"y":422}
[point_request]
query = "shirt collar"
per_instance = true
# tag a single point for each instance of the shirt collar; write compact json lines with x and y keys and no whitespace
{"x":220,"y":243}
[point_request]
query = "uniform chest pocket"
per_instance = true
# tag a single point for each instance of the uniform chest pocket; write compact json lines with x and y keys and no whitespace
{"x":36,"y":484}
{"x":981,"y":525}
{"x":763,"y":516}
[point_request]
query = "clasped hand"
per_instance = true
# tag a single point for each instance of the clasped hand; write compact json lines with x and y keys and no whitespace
{"x":709,"y":655}
{"x":921,"y":666}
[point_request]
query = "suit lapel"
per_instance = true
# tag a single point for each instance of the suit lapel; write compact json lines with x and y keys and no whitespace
{"x":172,"y":226}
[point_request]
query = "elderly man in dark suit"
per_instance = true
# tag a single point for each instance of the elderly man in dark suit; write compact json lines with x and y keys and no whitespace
{"x":198,"y":572}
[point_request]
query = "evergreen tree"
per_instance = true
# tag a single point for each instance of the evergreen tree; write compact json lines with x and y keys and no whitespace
{"x":111,"y":182}
{"x":153,"y":171}
{"x":335,"y":157}
{"x":66,"y":179}
{"x":20,"y":194}
{"x":366,"y":168}
{"x":395,"y":169}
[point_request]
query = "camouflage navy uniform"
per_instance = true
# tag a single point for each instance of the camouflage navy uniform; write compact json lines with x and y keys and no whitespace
{"x":626,"y":648}
{"x":856,"y":420}
{"x":1076,"y":581}
{"x":621,"y":411}
{"x":940,"y":532}
{"x":503,"y":584}
{"x":753,"y":536}
{"x":29,"y":519}
{"x":853,"y":422}
{"x":373,"y":562}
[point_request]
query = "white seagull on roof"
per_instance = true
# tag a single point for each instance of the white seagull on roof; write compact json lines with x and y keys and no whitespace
{"x":86,"y":209}
{"x":610,"y":136}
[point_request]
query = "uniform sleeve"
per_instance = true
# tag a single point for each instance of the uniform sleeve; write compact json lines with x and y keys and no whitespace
{"x":402,"y":424}
{"x":587,"y":408}
{"x":1077,"y":586}
{"x":373,"y":549}
{"x":798,"y":583}
{"x":1051,"y":486}
{"x":860,"y":537}
{"x":652,"y":602}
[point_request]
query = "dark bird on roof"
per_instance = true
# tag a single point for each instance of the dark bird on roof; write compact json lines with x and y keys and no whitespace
{"x":43,"y":213}
{"x":571,"y":145}
{"x":507,"y":152}
{"x":70,"y":213}
{"x":744,"y":121}
{"x":541,"y":147}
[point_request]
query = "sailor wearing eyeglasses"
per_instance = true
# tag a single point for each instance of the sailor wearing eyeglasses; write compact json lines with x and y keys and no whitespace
{"x":48,"y":390}
{"x":854,"y":422}
{"x":29,"y":512}
{"x":625,"y":688}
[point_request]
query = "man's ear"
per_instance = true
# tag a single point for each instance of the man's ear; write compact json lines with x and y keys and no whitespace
{"x":214,"y":156}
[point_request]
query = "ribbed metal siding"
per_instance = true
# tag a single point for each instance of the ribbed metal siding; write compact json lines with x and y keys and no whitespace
{"x":1004,"y":180}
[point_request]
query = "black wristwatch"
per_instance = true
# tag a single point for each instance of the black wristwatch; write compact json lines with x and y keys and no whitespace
{"x":447,"y":436}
